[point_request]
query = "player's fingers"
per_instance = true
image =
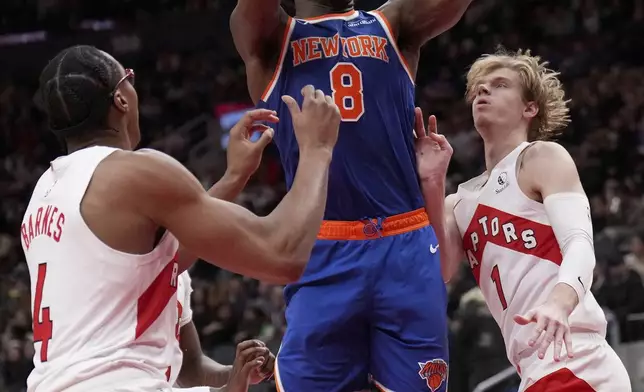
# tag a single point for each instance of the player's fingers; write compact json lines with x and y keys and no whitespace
{"x":568,"y":342}
{"x":259,"y":343}
{"x":548,"y":337}
{"x":246,"y":344}
{"x":419,"y":124}
{"x":250,"y":366}
{"x":443,"y":143}
{"x":255,"y":115}
{"x":559,"y":336}
{"x":308,"y":91}
{"x":538,"y":330}
{"x":525,"y":318}
{"x":265,"y":139}
{"x":268,"y":368}
{"x":259,"y":128}
{"x":432,"y":125}
{"x":440,"y":140}
{"x":329,"y":100}
{"x":250,"y":354}
{"x":291,"y":104}
{"x":319,"y":95}
{"x":263,"y":115}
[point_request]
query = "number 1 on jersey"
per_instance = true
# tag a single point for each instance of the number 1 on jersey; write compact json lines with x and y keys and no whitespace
{"x":42,"y":324}
{"x":346,"y":87}
{"x":496,"y":278}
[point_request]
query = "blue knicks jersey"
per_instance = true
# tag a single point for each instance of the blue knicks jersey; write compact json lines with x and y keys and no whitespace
{"x":353,"y":58}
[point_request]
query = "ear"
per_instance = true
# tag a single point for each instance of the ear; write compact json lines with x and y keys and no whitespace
{"x":531,"y":110}
{"x":120,"y":102}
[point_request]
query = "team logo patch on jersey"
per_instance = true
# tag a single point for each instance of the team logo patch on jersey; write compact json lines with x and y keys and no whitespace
{"x":434,"y":373}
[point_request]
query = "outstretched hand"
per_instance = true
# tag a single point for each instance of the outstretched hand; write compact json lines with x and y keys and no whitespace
{"x":551,"y":325}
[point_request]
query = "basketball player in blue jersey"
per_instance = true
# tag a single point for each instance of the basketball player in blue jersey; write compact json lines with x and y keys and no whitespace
{"x":371,"y":301}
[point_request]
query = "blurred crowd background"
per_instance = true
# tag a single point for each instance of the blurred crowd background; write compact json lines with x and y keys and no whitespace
{"x":192,"y":88}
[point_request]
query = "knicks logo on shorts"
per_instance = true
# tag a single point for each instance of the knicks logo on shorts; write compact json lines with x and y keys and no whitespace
{"x":434,"y":373}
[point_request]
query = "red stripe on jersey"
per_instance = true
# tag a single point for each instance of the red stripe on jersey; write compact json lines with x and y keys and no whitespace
{"x":155,"y":298}
{"x":179,"y":314}
{"x":490,"y":225}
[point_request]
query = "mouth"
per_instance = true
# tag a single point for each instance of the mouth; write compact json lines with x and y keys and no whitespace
{"x":482,"y":101}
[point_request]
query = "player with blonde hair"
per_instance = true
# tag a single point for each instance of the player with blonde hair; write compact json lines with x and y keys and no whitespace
{"x":524,"y":226}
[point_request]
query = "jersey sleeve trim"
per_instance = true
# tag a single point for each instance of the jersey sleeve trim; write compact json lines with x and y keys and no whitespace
{"x":387,"y":27}
{"x":290,"y":24}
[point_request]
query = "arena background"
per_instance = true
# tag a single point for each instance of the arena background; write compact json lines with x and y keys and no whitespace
{"x":191,"y":85}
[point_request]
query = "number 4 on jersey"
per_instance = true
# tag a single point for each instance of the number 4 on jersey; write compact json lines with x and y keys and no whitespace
{"x":346,"y":85}
{"x":42,"y":325}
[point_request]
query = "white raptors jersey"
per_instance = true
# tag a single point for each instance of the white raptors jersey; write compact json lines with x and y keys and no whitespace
{"x":513,"y":253}
{"x":104,"y":320}
{"x":184,"y":291}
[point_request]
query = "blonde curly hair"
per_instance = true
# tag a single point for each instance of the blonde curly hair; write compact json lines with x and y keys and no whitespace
{"x":540,"y":85}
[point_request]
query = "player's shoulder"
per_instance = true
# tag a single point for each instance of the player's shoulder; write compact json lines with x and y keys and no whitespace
{"x":145,"y":176}
{"x":541,"y":153}
{"x":546,"y":162}
{"x":450,"y":200}
{"x":140,"y":165}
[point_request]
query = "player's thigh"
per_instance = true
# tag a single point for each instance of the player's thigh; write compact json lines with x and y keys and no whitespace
{"x":326,"y":344}
{"x":409,"y":346}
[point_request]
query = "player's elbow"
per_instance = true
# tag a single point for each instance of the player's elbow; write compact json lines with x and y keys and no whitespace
{"x":438,"y":17}
{"x":284,"y":268}
{"x":290,"y":271}
{"x":290,"y":252}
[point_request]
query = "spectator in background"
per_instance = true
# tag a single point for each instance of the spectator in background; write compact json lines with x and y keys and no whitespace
{"x":635,"y":259}
{"x":620,"y":290}
{"x":16,"y":364}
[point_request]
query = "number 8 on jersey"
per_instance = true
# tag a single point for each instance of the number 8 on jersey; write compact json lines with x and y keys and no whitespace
{"x":346,"y":87}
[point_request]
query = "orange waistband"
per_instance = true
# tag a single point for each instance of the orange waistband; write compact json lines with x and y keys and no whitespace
{"x":368,"y":229}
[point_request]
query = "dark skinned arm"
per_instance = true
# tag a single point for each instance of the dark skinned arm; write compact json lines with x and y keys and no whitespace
{"x":225,"y":234}
{"x":227,"y":189}
{"x":197,"y":369}
{"x":417,"y":21}
{"x":257,"y":27}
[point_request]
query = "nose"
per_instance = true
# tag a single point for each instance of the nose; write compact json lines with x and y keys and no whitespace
{"x":483,"y":90}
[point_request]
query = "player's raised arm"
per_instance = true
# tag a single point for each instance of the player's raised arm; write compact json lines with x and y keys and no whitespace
{"x":257,"y":27}
{"x":417,"y":21}
{"x":274,"y":248}
{"x":243,"y":160}
{"x":433,"y":153}
{"x":255,"y":22}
